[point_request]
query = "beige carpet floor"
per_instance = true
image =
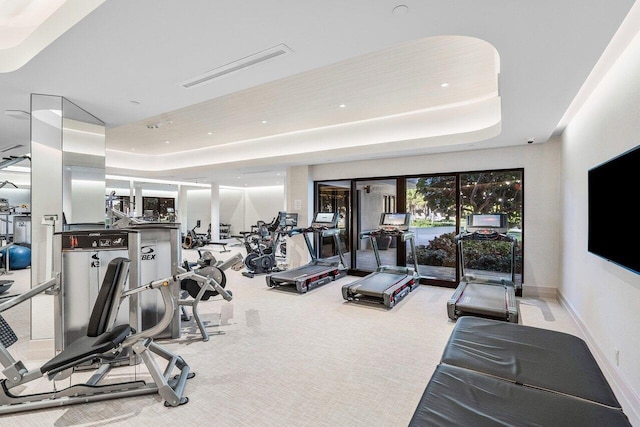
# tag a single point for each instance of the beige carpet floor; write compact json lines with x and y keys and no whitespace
{"x":278,"y":358}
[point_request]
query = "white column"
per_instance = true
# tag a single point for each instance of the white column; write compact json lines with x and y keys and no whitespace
{"x":299,"y":199}
{"x":137,"y":199}
{"x":182,"y":207}
{"x":215,"y":212}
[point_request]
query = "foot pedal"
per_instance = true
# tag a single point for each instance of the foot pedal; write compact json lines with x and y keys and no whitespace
{"x":7,"y":336}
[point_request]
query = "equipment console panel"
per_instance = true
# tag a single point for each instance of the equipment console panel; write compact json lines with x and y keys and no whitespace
{"x":394,"y":222}
{"x":325,"y":221}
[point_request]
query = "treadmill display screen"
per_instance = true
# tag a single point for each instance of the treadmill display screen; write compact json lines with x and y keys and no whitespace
{"x":325,"y":220}
{"x":398,"y":221}
{"x":324,"y":217}
{"x":495,"y":222}
{"x":485,"y":221}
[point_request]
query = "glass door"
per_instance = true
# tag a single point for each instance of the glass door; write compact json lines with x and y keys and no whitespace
{"x":335,"y":196}
{"x":491,"y":192}
{"x":374,"y":197}
{"x":431,"y":200}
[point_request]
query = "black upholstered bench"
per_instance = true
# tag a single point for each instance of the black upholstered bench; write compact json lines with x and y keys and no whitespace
{"x":460,"y":397}
{"x":499,"y":373}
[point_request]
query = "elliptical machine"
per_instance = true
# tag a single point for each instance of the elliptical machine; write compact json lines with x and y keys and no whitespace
{"x":264,"y":244}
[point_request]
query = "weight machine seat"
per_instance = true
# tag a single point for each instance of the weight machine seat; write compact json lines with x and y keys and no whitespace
{"x":98,"y":339}
{"x":529,"y":356}
{"x":86,"y":348}
{"x":460,"y":397}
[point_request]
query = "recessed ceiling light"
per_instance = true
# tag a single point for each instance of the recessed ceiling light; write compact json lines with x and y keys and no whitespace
{"x":167,"y":142}
{"x":445,"y":84}
{"x":342,"y":105}
{"x":264,"y":122}
{"x":209,"y":133}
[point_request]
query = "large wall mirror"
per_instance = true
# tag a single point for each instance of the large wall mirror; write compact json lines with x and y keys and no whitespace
{"x":83,"y":163}
{"x":67,"y":181}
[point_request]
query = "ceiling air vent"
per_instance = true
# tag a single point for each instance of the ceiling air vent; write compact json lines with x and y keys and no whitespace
{"x":240,"y":64}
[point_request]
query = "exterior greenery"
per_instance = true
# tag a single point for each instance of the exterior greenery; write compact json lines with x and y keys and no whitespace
{"x":480,"y":193}
{"x":441,"y":252}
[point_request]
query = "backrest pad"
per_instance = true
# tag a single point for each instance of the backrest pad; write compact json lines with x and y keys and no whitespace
{"x":105,"y":300}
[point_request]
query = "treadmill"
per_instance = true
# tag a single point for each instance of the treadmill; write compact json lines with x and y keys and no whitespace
{"x":485,"y":293}
{"x":388,"y":284}
{"x":318,"y":271}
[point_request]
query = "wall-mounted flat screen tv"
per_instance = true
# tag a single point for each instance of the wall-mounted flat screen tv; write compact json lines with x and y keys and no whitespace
{"x":612,"y":191}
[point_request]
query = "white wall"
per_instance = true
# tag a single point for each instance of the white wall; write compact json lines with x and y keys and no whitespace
{"x":263,"y":203}
{"x":542,"y":216}
{"x":199,"y":208}
{"x":604,"y":298}
{"x":232,"y":209}
{"x":244,"y":207}
{"x":87,"y":201}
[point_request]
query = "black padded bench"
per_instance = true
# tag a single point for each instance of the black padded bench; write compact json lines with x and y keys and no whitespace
{"x":498,"y":373}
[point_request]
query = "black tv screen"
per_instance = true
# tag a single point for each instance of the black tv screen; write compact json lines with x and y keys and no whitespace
{"x":612,"y":188}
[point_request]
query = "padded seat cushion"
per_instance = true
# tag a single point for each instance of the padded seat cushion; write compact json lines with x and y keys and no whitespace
{"x":86,"y":348}
{"x":458,"y":397}
{"x":531,"y":356}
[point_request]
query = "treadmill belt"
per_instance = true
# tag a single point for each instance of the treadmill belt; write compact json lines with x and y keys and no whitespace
{"x":300,"y":272}
{"x":484,"y":299}
{"x":376,"y":283}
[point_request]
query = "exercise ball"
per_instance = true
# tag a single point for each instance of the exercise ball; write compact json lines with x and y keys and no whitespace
{"x":19,"y":257}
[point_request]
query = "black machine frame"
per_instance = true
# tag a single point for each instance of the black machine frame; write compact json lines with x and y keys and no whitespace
{"x":485,"y":297}
{"x":387,"y":284}
{"x":102,"y":345}
{"x":318,"y":271}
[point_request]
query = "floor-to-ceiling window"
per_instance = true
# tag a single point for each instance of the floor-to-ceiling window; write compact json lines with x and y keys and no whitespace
{"x":432,"y":202}
{"x":372,"y":198}
{"x":335,"y":196}
{"x":490,"y":192}
{"x":438,"y":204}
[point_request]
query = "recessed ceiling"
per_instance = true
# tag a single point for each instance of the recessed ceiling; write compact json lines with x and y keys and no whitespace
{"x":406,"y":79}
{"x":28,"y":26}
{"x":125,"y":61}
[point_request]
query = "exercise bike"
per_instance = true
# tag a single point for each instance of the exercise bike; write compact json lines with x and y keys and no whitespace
{"x":265,"y":244}
{"x":259,"y":244}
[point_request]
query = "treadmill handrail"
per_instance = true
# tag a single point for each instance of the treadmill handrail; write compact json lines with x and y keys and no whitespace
{"x":403,"y":234}
{"x":493,"y":236}
{"x":478,"y":235}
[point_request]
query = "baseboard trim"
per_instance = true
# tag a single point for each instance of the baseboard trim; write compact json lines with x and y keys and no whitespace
{"x":539,"y":291}
{"x":628,"y":398}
